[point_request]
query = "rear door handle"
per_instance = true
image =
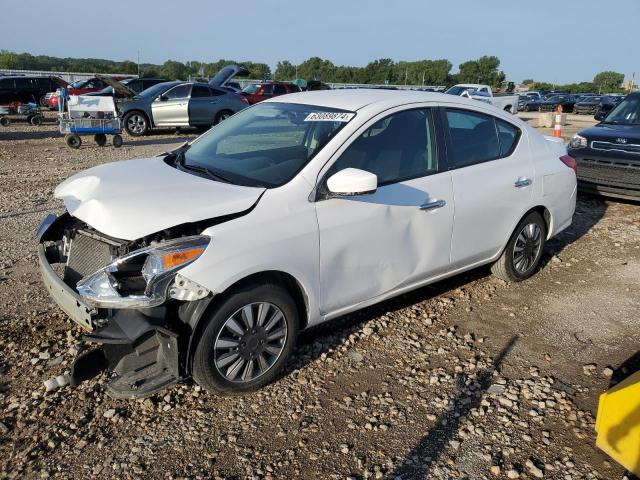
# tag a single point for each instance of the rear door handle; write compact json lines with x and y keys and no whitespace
{"x":522,"y":182}
{"x":433,"y":205}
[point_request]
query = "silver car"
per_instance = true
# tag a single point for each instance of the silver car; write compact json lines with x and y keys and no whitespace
{"x":181,"y":104}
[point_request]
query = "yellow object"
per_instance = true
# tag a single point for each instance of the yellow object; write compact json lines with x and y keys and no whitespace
{"x":618,"y":423}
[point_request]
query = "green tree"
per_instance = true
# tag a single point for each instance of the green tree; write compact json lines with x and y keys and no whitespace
{"x":608,"y":81}
{"x":8,"y":60}
{"x":128,"y":67}
{"x":483,"y":70}
{"x":285,"y":70}
{"x":174,"y":70}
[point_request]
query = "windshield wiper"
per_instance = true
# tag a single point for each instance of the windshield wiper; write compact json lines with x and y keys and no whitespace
{"x":199,"y":168}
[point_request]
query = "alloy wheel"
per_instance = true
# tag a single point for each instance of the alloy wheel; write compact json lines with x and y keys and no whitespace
{"x":250,"y":342}
{"x":136,"y":123}
{"x":527,"y":247}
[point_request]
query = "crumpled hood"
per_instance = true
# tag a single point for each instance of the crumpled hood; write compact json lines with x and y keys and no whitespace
{"x":131,"y":199}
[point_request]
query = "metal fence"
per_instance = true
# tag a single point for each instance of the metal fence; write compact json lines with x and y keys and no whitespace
{"x":439,"y":88}
{"x":68,"y":76}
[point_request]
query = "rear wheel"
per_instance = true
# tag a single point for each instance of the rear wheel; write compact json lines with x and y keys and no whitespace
{"x":247,"y":340}
{"x":4,"y":121}
{"x":73,"y":140}
{"x":117,"y":140}
{"x":36,"y":120}
{"x":521,"y":257}
{"x":136,"y":123}
{"x":222,"y":116}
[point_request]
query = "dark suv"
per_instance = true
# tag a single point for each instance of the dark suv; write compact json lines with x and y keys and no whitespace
{"x":608,"y":154}
{"x":18,"y":89}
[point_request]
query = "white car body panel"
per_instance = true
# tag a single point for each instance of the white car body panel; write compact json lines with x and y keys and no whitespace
{"x":345,"y":253}
{"x":132,"y":199}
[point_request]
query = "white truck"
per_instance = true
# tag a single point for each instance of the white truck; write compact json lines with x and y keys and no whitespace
{"x":483,"y":93}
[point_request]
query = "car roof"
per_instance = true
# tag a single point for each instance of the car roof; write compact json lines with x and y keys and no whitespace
{"x":355,"y":99}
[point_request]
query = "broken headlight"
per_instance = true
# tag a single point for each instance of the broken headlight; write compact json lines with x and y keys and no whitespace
{"x":142,"y":278}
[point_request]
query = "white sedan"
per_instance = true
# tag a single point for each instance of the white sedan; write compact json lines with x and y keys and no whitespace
{"x":208,"y":261}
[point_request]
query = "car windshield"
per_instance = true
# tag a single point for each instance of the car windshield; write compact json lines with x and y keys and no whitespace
{"x":156,"y":89}
{"x":251,"y":89}
{"x":626,"y":113}
{"x":266,"y":145}
{"x":458,"y":90}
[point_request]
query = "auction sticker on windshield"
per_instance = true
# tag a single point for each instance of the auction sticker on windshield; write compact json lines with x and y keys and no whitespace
{"x":329,"y":117}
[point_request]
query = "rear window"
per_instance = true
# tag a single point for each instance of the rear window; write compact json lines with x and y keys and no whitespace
{"x":477,"y":138}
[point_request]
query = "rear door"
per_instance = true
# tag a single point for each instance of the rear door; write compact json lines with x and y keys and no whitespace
{"x":492,"y":175}
{"x":171,"y":109}
{"x":201,"y":105}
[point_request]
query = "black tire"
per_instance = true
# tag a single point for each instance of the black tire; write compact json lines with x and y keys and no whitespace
{"x":221,"y":116}
{"x":43,"y":101}
{"x":506,"y":266}
{"x":117,"y":140}
{"x":36,"y":120}
{"x":73,"y":140}
{"x":136,"y":123}
{"x":527,"y":108}
{"x":101,"y":139}
{"x":507,"y":109}
{"x":205,"y":371}
{"x":5,"y":122}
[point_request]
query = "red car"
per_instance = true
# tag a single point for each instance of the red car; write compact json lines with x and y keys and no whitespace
{"x":257,"y":92}
{"x":80,"y":87}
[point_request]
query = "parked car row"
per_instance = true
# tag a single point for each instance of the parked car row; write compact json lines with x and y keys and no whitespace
{"x":25,"y":89}
{"x":588,"y":103}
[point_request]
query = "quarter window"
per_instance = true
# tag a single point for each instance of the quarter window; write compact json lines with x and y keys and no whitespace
{"x":396,"y":148}
{"x":477,"y":138}
{"x":200,"y":91}
{"x":279,"y":90}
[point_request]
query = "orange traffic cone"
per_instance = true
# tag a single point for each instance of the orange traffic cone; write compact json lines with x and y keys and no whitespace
{"x":557,"y":128}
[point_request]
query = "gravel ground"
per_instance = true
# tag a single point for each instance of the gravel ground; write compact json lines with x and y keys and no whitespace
{"x":469,"y":378}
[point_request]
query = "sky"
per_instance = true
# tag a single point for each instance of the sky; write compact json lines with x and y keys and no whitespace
{"x":559,"y":41}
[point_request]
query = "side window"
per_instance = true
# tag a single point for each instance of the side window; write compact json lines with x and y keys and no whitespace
{"x":396,"y":148}
{"x":7,"y":83}
{"x":200,"y":91}
{"x":279,"y":90}
{"x":267,"y":89}
{"x":508,"y":136}
{"x":22,"y":83}
{"x":179,"y":91}
{"x":217,"y":92}
{"x":474,"y":138}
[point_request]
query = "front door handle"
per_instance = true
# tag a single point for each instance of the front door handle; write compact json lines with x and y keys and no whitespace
{"x":522,"y":182}
{"x":433,"y":205}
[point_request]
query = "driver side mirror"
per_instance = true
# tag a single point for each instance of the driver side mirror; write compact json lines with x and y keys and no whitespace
{"x":352,"y":181}
{"x":162,"y":98}
{"x":599,"y":115}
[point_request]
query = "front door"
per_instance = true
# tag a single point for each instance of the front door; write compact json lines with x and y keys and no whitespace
{"x":401,"y":234}
{"x":171,"y":109}
{"x":492,"y":176}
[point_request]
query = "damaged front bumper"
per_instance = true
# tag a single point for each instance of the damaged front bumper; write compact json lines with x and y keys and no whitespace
{"x":146,"y":349}
{"x":65,"y":296}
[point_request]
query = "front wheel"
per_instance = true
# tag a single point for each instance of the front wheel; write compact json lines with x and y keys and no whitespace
{"x":136,"y":123}
{"x":247,"y":340}
{"x":4,"y":121}
{"x":521,"y":257}
{"x":117,"y":140}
